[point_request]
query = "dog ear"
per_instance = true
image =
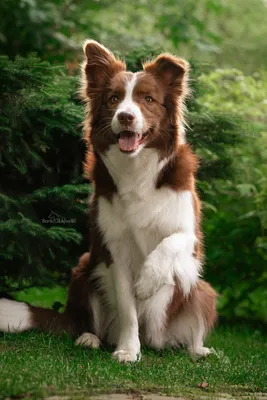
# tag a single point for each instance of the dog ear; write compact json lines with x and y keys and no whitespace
{"x":170,"y":70}
{"x":99,"y":67}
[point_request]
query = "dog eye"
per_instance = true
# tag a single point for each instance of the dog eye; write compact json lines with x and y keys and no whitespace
{"x":114,"y":99}
{"x":149,"y":99}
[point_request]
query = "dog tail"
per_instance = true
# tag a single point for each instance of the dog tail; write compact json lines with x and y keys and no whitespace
{"x":18,"y":317}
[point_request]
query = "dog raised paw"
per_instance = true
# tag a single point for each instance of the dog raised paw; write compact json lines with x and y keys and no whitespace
{"x":146,"y":285}
{"x":152,"y":277}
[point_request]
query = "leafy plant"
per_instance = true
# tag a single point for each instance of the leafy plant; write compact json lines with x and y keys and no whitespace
{"x":43,"y":195}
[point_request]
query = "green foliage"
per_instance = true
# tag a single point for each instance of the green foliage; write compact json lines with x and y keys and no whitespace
{"x":229,"y":90}
{"x":236,"y":226}
{"x":40,"y":166}
{"x":224,"y":33}
{"x":49,"y":28}
{"x":236,"y":260}
{"x":187,"y":25}
{"x":243,"y":29}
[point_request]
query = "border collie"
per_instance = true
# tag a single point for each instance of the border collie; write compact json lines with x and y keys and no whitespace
{"x":141,"y":280}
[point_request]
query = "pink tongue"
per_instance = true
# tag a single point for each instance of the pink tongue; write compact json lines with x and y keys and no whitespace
{"x":128,"y":143}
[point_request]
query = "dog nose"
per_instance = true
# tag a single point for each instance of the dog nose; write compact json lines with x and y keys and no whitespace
{"x":125,"y":118}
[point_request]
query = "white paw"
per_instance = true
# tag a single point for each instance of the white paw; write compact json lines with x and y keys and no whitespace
{"x":124,"y":356}
{"x":151,"y":278}
{"x":200,"y":351}
{"x":146,"y":285}
{"x":88,"y":340}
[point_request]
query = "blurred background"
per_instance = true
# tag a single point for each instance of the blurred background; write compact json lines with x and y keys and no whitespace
{"x":43,"y":193}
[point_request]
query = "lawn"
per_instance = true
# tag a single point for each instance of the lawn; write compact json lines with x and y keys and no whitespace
{"x":34,"y":365}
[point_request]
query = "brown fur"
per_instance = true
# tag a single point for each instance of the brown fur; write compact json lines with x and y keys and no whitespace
{"x":76,"y":318}
{"x":202,"y":301}
{"x":164,"y":79}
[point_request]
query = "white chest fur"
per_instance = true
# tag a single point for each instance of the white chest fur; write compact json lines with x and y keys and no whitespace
{"x":150,"y":233}
{"x":139,"y":211}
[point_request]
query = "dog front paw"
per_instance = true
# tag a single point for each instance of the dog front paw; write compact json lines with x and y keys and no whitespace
{"x":126,"y":356}
{"x":147,"y":284}
{"x":155,"y":273}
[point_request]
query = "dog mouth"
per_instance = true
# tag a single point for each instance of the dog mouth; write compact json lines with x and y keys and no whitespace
{"x":130,"y":141}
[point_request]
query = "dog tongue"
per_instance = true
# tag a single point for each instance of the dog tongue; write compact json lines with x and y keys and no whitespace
{"x":128,"y":142}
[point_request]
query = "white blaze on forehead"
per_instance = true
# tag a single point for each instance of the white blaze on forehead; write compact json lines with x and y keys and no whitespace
{"x":129,"y":106}
{"x":129,"y":88}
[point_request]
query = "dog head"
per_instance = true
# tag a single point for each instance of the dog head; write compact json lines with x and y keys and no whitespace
{"x":133,"y":110}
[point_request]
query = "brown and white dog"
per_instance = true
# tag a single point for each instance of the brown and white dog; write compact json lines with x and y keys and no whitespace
{"x":141,"y":280}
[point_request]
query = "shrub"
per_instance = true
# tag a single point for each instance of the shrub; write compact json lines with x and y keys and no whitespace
{"x":42,"y":199}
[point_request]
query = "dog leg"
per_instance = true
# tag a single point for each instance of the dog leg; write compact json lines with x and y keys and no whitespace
{"x":128,"y":347}
{"x":124,"y":255}
{"x":191,"y":326}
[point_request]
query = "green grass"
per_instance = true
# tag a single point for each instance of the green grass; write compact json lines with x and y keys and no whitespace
{"x":37,"y":365}
{"x":42,"y":297}
{"x":40,"y":364}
